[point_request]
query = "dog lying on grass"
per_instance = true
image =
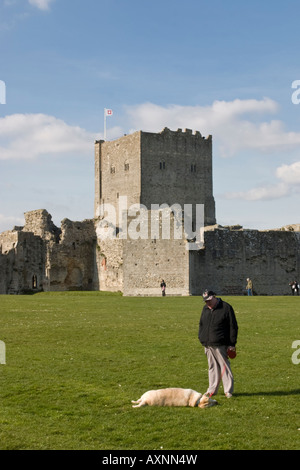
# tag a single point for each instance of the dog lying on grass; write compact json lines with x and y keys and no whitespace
{"x":174,"y":397}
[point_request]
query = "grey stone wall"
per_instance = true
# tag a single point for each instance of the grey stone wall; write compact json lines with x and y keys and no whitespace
{"x":118,"y":172}
{"x":109,"y":265}
{"x":72,"y":259}
{"x":40,"y":256}
{"x":177,"y":168}
{"x":146,"y":262}
{"x":271,"y":259}
{"x":22,"y":262}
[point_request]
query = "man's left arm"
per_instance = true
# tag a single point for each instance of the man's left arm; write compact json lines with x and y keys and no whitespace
{"x":233,"y":327}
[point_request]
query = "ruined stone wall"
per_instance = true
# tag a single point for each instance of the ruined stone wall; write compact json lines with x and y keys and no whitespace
{"x":8,"y":243}
{"x":39,"y":222}
{"x":41,"y":256}
{"x":270,"y":258}
{"x":109,"y":265}
{"x":3,"y":274}
{"x":22,"y":262}
{"x":72,"y":259}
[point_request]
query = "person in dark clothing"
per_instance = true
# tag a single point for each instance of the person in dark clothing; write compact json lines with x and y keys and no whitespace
{"x":218,"y":330}
{"x":163,"y":287}
{"x":295,"y":287}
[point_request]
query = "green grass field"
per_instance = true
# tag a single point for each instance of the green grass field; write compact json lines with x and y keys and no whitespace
{"x":74,"y":362}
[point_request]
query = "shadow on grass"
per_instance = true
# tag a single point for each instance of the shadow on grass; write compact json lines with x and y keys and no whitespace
{"x":278,"y":393}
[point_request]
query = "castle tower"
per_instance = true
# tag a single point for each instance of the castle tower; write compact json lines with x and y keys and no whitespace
{"x":149,"y":168}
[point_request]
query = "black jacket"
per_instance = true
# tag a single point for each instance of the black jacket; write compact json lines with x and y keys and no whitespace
{"x":218,"y":327}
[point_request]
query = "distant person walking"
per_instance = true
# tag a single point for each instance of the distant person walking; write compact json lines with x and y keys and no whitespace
{"x":163,"y":288}
{"x":295,"y":287}
{"x":249,"y":287}
{"x":218,"y":330}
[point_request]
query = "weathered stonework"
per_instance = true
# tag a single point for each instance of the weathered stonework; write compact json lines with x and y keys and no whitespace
{"x":145,"y":168}
{"x":41,"y":257}
{"x":22,"y":262}
{"x":164,"y":168}
{"x":72,"y":259}
{"x":149,"y":261}
{"x":270,"y":258}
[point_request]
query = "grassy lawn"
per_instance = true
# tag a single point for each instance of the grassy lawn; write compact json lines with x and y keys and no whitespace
{"x":74,"y":362}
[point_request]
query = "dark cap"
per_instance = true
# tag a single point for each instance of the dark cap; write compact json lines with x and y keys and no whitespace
{"x":208,"y":295}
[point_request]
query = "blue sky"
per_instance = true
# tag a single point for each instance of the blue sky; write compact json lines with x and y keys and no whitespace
{"x":224,"y":68}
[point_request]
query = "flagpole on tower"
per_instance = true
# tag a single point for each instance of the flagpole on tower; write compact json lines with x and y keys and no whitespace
{"x":104,"y":124}
{"x":107,"y":112}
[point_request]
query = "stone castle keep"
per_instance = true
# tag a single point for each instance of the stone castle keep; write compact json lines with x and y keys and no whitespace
{"x":148,"y":170}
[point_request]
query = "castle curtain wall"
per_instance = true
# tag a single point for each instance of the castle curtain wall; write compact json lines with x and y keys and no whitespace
{"x":271,"y":259}
{"x":171,"y":167}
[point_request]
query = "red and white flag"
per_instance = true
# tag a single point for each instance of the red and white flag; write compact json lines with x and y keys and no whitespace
{"x":108,"y":112}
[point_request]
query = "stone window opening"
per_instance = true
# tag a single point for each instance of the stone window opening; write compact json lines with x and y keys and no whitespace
{"x":162,"y":165}
{"x":126,"y":166}
{"x":193,"y":168}
{"x":34,"y":281}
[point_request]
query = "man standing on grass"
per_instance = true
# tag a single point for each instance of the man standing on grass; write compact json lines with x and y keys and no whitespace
{"x":249,"y":287}
{"x":218,"y":331}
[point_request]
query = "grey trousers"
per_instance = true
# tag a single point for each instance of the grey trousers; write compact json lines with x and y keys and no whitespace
{"x":218,"y":369}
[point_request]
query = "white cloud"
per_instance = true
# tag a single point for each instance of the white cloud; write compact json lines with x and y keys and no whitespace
{"x":14,"y":14}
{"x":259,"y":193}
{"x":289,"y":174}
{"x":288,"y":183}
{"x":29,"y":136}
{"x":236,"y":125}
{"x":8,"y":221}
{"x":41,"y":4}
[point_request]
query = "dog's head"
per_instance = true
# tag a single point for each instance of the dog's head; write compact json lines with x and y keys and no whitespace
{"x":206,"y":402}
{"x":195,"y":398}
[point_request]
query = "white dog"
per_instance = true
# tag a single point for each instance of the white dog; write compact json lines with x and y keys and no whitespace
{"x":174,"y":397}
